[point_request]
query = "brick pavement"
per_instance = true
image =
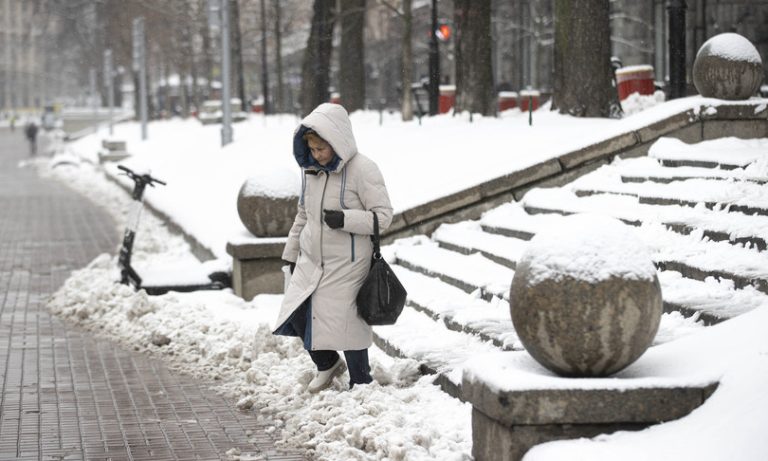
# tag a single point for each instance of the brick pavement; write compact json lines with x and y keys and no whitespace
{"x":66,"y":395}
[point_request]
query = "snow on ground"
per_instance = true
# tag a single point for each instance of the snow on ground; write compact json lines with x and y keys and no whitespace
{"x":420,"y":162}
{"x":218,"y":336}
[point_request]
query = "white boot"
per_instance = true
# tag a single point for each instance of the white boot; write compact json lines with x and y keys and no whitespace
{"x":324,"y":378}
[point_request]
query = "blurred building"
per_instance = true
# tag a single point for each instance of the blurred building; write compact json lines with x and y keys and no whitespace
{"x":26,"y":73}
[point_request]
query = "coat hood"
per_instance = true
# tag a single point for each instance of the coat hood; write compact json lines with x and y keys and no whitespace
{"x":332,"y":123}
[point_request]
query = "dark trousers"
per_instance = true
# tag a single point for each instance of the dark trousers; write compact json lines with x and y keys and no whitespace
{"x":357,"y":361}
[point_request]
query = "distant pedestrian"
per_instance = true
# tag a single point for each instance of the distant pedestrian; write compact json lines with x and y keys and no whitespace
{"x":329,"y":247}
{"x":31,"y":132}
{"x":13,"y":123}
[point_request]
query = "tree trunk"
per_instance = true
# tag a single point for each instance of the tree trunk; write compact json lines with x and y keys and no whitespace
{"x":280,"y":97}
{"x":315,"y":70}
{"x":266,"y":106}
{"x":351,"y":55}
{"x":582,"y":84}
{"x":474,"y":67}
{"x":207,"y":61}
{"x":407,"y":62}
{"x":237,"y":53}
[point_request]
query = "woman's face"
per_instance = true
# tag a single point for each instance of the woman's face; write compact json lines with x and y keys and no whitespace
{"x":321,"y":151}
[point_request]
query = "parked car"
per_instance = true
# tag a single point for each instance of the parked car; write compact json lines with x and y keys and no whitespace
{"x":211,"y":111}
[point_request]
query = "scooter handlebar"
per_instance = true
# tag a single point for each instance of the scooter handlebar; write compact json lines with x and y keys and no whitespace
{"x":146,"y":178}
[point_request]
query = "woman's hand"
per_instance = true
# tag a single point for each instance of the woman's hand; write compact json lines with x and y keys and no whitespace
{"x":334,"y":218}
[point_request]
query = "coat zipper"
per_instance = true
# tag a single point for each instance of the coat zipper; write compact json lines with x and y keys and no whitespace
{"x":322,"y":200}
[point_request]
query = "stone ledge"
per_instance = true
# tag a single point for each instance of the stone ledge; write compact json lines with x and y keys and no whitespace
{"x":256,"y":266}
{"x":662,"y":127}
{"x":599,"y":150}
{"x":263,"y":248}
{"x":585,"y":406}
{"x":735,"y":112}
{"x":745,"y":129}
{"x":538,"y":406}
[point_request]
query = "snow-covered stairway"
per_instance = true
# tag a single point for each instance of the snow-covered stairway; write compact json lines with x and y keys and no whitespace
{"x":711,"y":260}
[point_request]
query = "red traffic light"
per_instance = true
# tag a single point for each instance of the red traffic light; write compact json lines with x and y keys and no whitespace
{"x":443,"y":32}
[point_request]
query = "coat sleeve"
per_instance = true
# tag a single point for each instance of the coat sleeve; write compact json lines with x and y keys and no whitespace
{"x":291,"y":250}
{"x":374,"y":197}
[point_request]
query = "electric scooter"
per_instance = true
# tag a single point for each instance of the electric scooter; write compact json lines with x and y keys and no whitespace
{"x":215,"y":280}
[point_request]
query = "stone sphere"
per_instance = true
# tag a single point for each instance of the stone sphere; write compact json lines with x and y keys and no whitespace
{"x":267,"y":202}
{"x":727,"y":66}
{"x":585,"y":299}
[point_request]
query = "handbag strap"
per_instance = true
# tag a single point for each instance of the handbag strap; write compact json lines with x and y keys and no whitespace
{"x":375,"y":237}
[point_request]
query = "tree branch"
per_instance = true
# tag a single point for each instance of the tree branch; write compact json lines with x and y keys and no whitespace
{"x":392,"y":7}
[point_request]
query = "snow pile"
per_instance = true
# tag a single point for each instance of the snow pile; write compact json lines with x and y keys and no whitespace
{"x":731,"y":46}
{"x":636,"y":102}
{"x":587,"y":247}
{"x":217,"y":336}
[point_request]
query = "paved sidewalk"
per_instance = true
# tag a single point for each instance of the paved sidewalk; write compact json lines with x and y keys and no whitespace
{"x":69,"y":396}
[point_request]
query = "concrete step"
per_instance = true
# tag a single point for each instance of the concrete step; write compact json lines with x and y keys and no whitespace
{"x":490,"y":321}
{"x":501,"y":249}
{"x":742,"y":196}
{"x":438,"y":350}
{"x":735,"y":206}
{"x":470,"y":273}
{"x":710,"y":154}
{"x":671,"y":252}
{"x":672,"y":176}
{"x":702,"y":164}
{"x":737,"y":229}
{"x":688,"y":254}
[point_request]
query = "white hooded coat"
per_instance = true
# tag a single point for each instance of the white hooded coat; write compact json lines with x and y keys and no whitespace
{"x":331,"y":264}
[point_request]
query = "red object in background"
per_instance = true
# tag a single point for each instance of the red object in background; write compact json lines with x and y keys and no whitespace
{"x":507,"y":100}
{"x":634,"y":79}
{"x":335,"y":98}
{"x":529,"y":96}
{"x":444,"y":32}
{"x":447,"y":98}
{"x":257,"y":108}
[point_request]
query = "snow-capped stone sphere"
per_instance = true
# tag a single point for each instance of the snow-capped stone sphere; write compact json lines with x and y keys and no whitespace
{"x":585,"y":299}
{"x":266,"y":202}
{"x":727,"y":66}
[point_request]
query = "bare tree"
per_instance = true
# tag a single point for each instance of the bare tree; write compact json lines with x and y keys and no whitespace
{"x":315,"y":70}
{"x":405,"y":12}
{"x":474,"y":69}
{"x":280,"y":98}
{"x":237,"y":53}
{"x":351,"y":55}
{"x":267,"y":107}
{"x":582,"y":84}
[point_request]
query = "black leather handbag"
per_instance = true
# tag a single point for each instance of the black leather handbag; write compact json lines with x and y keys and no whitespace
{"x":381,"y":297}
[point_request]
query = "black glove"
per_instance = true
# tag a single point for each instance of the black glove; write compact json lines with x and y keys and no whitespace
{"x":334,"y":218}
{"x":291,"y":265}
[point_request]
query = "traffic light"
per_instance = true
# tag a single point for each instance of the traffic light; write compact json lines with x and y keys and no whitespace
{"x":443,"y":31}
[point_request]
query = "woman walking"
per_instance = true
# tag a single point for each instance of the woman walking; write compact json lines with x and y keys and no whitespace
{"x":329,"y":246}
